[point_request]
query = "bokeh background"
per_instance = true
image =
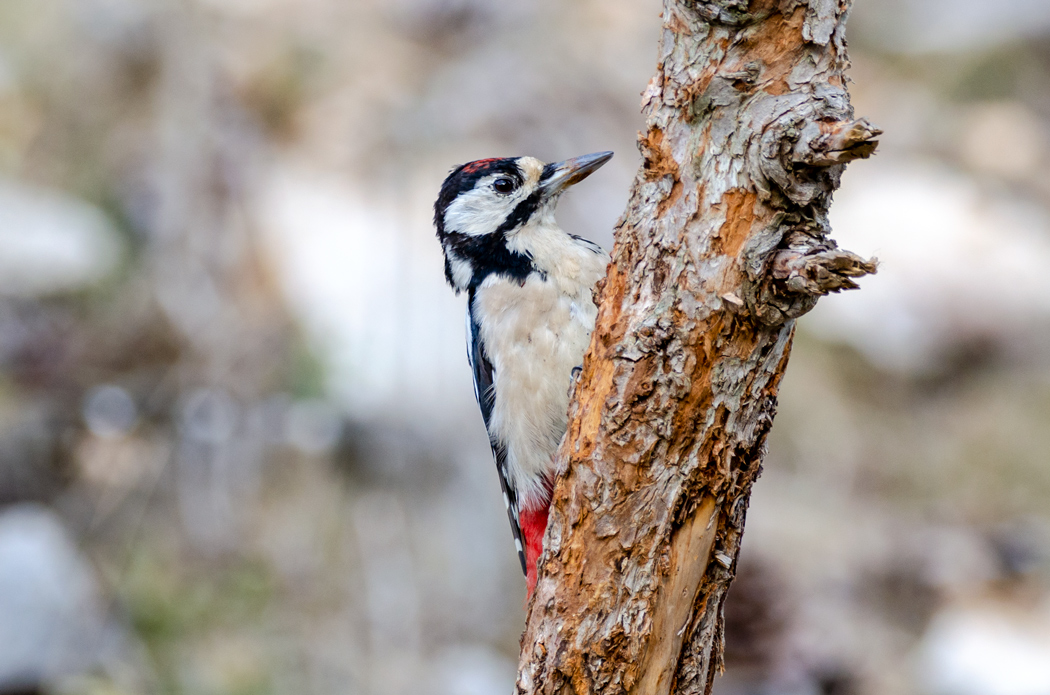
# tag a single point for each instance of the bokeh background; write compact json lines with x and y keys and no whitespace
{"x":239,"y":452}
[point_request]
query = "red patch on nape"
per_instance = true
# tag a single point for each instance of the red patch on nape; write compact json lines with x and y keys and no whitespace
{"x":478,"y":165}
{"x":533,"y":524}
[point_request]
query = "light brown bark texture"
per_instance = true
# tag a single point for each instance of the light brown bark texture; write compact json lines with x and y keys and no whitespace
{"x":724,"y":243}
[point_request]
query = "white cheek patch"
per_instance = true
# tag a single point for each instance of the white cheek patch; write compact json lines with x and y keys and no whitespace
{"x":461,"y":270}
{"x":480,"y":211}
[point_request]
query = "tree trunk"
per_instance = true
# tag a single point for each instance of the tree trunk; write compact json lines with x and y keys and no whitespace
{"x":723,"y":244}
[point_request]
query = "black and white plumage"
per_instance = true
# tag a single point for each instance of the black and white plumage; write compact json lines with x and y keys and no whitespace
{"x":530,"y":314}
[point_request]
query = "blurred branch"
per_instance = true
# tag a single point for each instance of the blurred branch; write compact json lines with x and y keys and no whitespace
{"x":723,"y":244}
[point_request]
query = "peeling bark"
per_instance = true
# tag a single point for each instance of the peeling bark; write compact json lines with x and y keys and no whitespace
{"x":724,"y":243}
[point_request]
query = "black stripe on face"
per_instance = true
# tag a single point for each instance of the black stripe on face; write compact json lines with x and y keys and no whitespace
{"x":520,"y":214}
{"x":487,"y":254}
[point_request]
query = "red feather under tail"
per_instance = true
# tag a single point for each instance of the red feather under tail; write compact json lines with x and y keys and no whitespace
{"x":533,"y":524}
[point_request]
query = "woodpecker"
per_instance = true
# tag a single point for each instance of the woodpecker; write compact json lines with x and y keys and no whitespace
{"x":530,"y":313}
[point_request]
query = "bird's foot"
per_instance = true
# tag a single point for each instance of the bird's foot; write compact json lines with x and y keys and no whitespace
{"x":574,"y":378}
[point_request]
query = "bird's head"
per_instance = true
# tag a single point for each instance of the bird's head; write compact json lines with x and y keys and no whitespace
{"x":483,"y":204}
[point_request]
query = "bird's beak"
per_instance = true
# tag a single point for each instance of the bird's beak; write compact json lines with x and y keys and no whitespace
{"x":560,"y":175}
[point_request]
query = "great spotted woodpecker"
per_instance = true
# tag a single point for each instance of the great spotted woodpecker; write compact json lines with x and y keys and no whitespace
{"x":530,"y":314}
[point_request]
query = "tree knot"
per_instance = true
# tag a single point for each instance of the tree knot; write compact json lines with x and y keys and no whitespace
{"x":801,"y":154}
{"x":803,"y":267}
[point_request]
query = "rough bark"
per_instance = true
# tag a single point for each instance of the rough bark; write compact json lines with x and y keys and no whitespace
{"x":724,"y":243}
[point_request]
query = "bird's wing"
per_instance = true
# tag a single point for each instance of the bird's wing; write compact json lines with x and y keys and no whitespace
{"x":588,"y":243}
{"x":484,"y":378}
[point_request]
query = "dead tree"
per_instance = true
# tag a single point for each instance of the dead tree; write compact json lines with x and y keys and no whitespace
{"x":724,"y":243}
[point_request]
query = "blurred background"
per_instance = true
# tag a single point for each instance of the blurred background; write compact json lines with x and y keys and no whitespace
{"x":239,"y":451}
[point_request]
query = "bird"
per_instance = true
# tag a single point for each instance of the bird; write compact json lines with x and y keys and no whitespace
{"x":530,"y":314}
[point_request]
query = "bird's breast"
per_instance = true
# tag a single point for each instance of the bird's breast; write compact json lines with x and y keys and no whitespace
{"x":534,"y":334}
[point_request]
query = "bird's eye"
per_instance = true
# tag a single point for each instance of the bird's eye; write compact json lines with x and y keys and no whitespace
{"x":503,"y":185}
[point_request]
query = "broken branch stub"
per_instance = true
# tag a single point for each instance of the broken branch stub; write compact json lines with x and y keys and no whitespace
{"x":725,"y":241}
{"x":804,"y":266}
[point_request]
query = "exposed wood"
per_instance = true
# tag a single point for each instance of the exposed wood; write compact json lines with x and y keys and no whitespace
{"x":723,"y":244}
